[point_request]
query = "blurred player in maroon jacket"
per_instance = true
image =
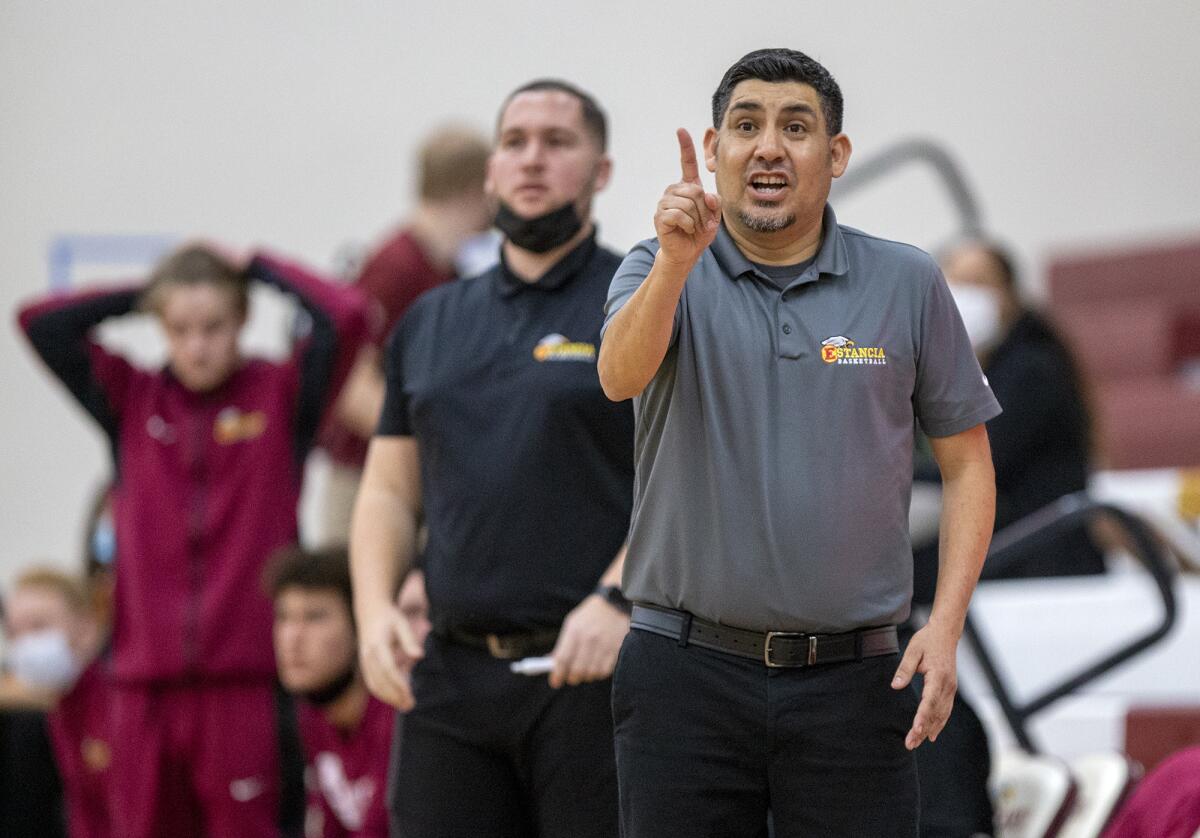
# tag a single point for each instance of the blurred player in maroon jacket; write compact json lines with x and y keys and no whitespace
{"x":345,"y":732}
{"x":451,"y":209}
{"x":209,"y":454}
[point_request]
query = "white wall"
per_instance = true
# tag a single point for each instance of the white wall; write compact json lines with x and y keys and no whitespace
{"x":293,"y":123}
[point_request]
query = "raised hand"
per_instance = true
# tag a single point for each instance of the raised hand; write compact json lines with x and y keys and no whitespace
{"x":687,"y":218}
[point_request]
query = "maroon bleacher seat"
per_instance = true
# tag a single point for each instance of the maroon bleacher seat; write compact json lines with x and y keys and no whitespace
{"x":1132,"y":317}
{"x":1148,"y":423}
{"x":1113,"y":342}
{"x":1168,"y":272}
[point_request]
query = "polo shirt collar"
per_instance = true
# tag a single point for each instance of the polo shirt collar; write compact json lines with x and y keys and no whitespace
{"x":831,"y":255}
{"x":558,"y":275}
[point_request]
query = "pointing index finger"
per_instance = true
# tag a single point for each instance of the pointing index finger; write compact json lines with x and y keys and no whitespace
{"x":687,"y":157}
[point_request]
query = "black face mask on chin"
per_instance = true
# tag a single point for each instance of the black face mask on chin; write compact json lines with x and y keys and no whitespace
{"x":331,"y":692}
{"x":540,"y":234}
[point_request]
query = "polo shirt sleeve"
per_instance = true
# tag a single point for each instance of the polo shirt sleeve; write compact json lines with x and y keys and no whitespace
{"x":394,"y":418}
{"x":629,"y":276}
{"x":952,"y":393}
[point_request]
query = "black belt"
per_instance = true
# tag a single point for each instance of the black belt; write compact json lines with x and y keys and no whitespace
{"x":773,"y":648}
{"x":507,"y":647}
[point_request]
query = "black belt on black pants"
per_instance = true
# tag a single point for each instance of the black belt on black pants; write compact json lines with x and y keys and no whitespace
{"x":511,"y":646}
{"x":774,"y":648}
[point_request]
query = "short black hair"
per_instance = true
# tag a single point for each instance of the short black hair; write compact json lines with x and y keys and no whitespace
{"x":326,"y":569}
{"x":779,"y":65}
{"x":593,"y":115}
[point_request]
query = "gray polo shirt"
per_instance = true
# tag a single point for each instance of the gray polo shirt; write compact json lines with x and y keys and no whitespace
{"x":774,"y":445}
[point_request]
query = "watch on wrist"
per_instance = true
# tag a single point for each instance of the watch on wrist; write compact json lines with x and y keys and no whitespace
{"x":613,"y":596}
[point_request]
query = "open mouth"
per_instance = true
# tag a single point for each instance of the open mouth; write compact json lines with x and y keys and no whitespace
{"x":768,"y":186}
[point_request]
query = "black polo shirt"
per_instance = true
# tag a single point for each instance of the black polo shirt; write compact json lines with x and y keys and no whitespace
{"x":526,"y":467}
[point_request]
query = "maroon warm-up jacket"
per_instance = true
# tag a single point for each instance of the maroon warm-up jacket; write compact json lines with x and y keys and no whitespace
{"x":206,"y":483}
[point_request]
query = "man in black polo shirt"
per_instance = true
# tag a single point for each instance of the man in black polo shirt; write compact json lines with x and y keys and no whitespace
{"x":496,"y":430}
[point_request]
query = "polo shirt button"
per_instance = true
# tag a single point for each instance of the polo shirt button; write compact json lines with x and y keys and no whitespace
{"x":787,"y":329}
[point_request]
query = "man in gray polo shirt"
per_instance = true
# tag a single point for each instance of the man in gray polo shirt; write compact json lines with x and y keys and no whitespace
{"x":778,"y":362}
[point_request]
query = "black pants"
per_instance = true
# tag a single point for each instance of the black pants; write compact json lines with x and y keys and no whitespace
{"x":490,"y":754}
{"x":708,"y":742}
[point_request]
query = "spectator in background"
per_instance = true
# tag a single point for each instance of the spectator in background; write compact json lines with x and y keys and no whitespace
{"x":1041,"y":443}
{"x":208,"y":454}
{"x":451,"y":209}
{"x":344,"y":731}
{"x":1041,"y":446}
{"x":54,"y":640}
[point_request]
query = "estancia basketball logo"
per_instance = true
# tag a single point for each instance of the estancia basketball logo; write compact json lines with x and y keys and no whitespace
{"x":557,"y":348}
{"x":841,"y":350}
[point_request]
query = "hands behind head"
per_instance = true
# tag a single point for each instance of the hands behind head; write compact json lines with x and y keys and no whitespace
{"x":687,"y":218}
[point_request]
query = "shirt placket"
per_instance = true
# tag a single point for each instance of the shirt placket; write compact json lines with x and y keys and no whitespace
{"x":790,"y":329}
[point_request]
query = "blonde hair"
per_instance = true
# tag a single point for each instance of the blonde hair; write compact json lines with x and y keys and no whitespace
{"x":195,"y":264}
{"x":68,"y":587}
{"x":452,"y":162}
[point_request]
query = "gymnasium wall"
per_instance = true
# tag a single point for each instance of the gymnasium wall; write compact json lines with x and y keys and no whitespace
{"x":293,"y":124}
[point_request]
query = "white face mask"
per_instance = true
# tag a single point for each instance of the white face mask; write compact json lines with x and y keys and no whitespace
{"x":43,"y":659}
{"x":980,"y":311}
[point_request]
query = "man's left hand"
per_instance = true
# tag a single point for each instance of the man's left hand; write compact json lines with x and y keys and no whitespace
{"x":932,"y":653}
{"x":588,"y":643}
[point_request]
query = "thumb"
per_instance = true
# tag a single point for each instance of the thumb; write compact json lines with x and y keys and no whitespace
{"x":908,"y":666}
{"x":563,"y":654}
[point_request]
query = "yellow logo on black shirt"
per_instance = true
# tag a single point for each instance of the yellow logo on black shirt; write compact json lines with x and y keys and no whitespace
{"x":841,"y":350}
{"x":557,"y":348}
{"x":233,"y":425}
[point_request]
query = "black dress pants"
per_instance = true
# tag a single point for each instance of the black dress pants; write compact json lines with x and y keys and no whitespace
{"x":708,"y":743}
{"x":489,"y":754}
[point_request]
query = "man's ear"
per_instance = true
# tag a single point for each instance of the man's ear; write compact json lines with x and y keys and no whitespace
{"x":603,"y":173}
{"x":839,"y":153}
{"x":710,"y":149}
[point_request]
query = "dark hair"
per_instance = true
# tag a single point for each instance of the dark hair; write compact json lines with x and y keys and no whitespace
{"x":1004,"y":261}
{"x":593,"y":116}
{"x":780,"y":65}
{"x":195,"y":264}
{"x":1000,"y":254}
{"x":326,"y":569}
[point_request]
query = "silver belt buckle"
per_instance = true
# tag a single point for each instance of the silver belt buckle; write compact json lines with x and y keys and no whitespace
{"x":771,"y":635}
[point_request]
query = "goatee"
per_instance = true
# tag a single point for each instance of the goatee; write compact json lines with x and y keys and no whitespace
{"x":760,"y":224}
